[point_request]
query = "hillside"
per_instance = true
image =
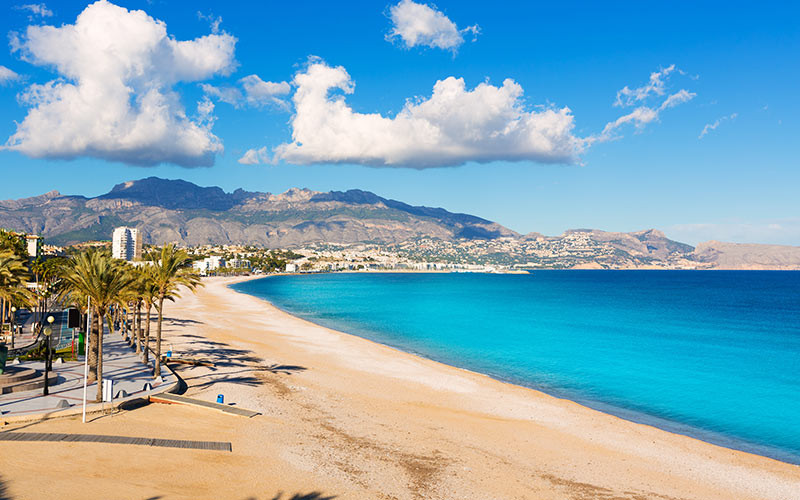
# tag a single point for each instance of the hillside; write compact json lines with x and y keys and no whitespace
{"x":176,"y":210}
{"x":179,"y":211}
{"x":748,"y":256}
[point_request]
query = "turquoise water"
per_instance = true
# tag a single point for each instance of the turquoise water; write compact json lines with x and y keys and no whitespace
{"x":715,"y":355}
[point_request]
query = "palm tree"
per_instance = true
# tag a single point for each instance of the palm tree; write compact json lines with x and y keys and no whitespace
{"x":12,"y":284}
{"x":135,"y":299}
{"x":96,"y":275}
{"x":169,"y":271}
{"x":149,"y":297}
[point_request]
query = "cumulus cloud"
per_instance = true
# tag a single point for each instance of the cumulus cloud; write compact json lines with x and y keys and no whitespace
{"x":255,"y":156}
{"x":258,"y":92}
{"x":416,"y":24}
{"x":713,"y":126}
{"x":7,"y":75}
{"x":255,"y":92}
{"x":114,"y":98}
{"x":36,"y":10}
{"x":455,"y":125}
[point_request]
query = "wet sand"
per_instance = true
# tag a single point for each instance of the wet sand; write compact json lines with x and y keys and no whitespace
{"x":343,"y":417}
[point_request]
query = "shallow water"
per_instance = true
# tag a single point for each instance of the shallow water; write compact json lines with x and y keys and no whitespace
{"x":713,"y":354}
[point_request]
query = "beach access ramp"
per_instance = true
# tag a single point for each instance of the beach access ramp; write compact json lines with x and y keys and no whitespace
{"x":183,"y":400}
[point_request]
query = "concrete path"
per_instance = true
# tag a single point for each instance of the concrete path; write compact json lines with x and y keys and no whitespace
{"x":100,"y":438}
{"x":120,"y":363}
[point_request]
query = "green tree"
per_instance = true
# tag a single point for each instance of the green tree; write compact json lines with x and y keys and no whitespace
{"x":12,"y":284}
{"x":13,"y":242}
{"x":96,"y":275}
{"x":170,"y":271}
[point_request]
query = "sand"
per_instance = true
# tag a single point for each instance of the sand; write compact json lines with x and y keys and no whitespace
{"x":343,"y":417}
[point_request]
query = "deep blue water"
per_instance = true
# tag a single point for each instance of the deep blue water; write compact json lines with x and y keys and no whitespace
{"x":712,"y":354}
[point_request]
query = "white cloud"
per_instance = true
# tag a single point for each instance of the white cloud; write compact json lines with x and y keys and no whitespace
{"x":258,"y":92}
{"x":255,"y":92}
{"x":213,"y":21}
{"x":655,"y":86}
{"x":455,"y":125}
{"x":643,"y":114}
{"x":228,"y":94}
{"x":255,"y":156}
{"x":7,"y":75}
{"x":114,"y":98}
{"x":420,"y":24}
{"x":35,"y":9}
{"x":713,"y":126}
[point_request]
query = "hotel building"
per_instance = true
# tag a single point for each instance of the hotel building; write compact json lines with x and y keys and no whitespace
{"x":126,"y":244}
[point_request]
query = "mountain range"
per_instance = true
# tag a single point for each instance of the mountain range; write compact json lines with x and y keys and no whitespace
{"x":176,"y":210}
{"x":180,"y":211}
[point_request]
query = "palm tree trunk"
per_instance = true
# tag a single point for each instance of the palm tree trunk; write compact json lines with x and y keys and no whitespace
{"x":137,"y":327}
{"x":92,"y":351}
{"x":110,"y":320}
{"x":157,"y":370}
{"x":130,"y":325}
{"x":102,"y":318}
{"x":147,"y":335}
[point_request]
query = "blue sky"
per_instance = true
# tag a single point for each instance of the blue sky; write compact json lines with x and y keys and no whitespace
{"x":737,"y":64}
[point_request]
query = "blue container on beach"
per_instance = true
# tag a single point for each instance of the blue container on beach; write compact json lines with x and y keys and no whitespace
{"x":220,"y":399}
{"x":169,"y":354}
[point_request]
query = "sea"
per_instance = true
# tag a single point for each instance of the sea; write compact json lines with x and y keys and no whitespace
{"x":710,"y":354}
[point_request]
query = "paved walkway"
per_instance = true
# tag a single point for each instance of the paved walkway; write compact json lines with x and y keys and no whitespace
{"x":120,"y":364}
{"x":99,"y":438}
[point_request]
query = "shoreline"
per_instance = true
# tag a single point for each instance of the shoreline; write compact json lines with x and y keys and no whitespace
{"x":342,"y":416}
{"x":706,"y":436}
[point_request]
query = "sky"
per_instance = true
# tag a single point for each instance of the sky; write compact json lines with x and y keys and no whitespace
{"x":542,"y":116}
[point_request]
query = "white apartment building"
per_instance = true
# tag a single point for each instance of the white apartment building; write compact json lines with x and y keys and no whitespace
{"x":209,"y":264}
{"x":291,"y":268}
{"x":33,"y":244}
{"x":238,"y":263}
{"x":126,"y":244}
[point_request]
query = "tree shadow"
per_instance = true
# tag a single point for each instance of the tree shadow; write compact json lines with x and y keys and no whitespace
{"x":4,"y":495}
{"x":183,"y":321}
{"x":284,"y":369}
{"x":242,"y":380}
{"x":314,"y":495}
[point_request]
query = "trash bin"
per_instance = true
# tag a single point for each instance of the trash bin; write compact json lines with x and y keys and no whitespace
{"x":220,"y":399}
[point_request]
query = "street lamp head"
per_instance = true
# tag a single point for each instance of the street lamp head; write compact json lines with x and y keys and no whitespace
{"x":13,"y":309}
{"x":47,"y":331}
{"x":50,"y":319}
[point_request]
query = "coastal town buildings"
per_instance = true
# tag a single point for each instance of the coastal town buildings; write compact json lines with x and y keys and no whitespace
{"x":208,"y":264}
{"x":33,"y":244}
{"x":126,"y":244}
{"x":238,"y":263}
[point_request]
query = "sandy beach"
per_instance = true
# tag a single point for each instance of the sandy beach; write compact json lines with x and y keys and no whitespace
{"x":346,"y":418}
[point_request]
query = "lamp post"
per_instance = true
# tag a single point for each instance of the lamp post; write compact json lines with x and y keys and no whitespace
{"x":48,"y":331}
{"x":13,"y":325}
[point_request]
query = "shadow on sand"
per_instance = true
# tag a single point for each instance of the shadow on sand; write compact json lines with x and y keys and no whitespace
{"x":5,"y":496}
{"x":314,"y":495}
{"x":232,"y":365}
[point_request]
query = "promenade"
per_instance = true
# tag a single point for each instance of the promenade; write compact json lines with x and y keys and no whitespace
{"x":120,"y":363}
